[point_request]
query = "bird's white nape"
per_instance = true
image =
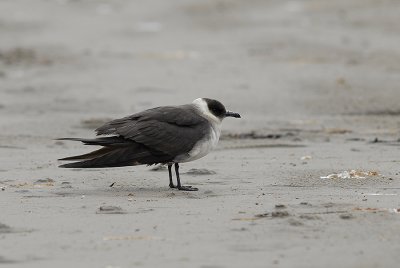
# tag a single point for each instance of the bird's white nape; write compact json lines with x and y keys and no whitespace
{"x":202,"y":106}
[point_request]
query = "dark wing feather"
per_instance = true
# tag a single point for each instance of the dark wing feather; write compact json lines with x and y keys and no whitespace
{"x":184,"y":115}
{"x":161,"y":128}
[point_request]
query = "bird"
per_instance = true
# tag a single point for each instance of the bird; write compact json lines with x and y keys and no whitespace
{"x":166,"y":135}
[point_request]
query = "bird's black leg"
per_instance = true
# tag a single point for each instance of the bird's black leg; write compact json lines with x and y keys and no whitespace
{"x":171,"y":184}
{"x":179,"y":186}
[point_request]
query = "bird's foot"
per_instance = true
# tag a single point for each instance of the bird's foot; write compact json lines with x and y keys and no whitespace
{"x":187,"y":188}
{"x":172,"y":185}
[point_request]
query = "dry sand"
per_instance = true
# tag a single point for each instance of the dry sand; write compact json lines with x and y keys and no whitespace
{"x":315,"y":81}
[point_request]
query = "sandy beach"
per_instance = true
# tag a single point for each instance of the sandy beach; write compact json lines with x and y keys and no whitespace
{"x":309,"y":177}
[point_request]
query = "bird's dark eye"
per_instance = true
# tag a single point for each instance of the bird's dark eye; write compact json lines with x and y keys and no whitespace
{"x":217,"y":111}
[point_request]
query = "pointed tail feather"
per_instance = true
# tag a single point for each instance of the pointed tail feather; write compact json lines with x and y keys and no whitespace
{"x":113,"y":158}
{"x":91,"y":155}
{"x":135,"y":154}
{"x":103,"y":141}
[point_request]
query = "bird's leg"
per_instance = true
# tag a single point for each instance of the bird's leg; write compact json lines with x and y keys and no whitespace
{"x":179,"y":186}
{"x":171,"y":184}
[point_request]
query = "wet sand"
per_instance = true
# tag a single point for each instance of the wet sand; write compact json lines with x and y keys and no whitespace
{"x":316,"y":83}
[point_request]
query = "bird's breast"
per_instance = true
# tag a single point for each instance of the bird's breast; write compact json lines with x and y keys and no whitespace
{"x":204,"y":146}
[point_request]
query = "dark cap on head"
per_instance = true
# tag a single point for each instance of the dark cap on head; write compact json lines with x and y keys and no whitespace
{"x":218,"y":109}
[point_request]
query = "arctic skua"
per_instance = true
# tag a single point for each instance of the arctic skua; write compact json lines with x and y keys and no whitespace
{"x":167,"y":135}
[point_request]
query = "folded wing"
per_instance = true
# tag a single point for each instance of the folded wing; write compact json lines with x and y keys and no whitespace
{"x":153,"y":136}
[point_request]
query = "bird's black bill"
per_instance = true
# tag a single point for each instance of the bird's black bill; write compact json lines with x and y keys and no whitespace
{"x":232,"y":114}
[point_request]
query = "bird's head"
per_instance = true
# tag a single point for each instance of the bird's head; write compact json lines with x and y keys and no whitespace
{"x":214,"y":109}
